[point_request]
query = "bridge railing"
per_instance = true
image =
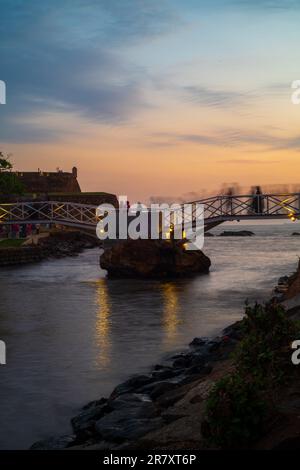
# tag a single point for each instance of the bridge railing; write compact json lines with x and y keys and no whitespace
{"x":49,"y":212}
{"x":218,"y":208}
{"x":253,"y":205}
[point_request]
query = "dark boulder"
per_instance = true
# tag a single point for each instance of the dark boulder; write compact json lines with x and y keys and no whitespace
{"x":135,"y":403}
{"x":234,"y":331}
{"x":54,"y":443}
{"x":131,"y":385}
{"x":240,"y":233}
{"x":160,"y":388}
{"x":83,"y":423}
{"x":152,"y":259}
{"x":185,"y":361}
{"x":198,"y":342}
{"x":163,"y":374}
{"x":195,"y":373}
{"x":131,"y":417}
{"x":119,"y":427}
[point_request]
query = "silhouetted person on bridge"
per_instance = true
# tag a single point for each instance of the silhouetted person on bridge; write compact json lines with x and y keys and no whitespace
{"x":257,"y":201}
{"x":23,"y":231}
{"x":229,"y":203}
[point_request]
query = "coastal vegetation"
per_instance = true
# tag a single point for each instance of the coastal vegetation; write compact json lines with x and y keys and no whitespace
{"x":241,"y":405}
{"x":9,"y":182}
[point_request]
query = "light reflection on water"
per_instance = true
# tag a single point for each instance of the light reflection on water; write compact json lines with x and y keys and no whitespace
{"x":72,"y":335}
{"x":103,"y":325}
{"x":171,"y":314}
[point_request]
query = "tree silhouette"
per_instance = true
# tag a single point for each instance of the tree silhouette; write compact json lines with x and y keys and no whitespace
{"x":9,"y":182}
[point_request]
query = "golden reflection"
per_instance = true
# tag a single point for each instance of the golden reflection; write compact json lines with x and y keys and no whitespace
{"x":103,"y":324}
{"x":171,"y":310}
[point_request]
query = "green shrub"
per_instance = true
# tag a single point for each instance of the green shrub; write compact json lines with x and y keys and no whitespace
{"x":264,"y":351}
{"x":239,"y":403}
{"x":235,"y":412}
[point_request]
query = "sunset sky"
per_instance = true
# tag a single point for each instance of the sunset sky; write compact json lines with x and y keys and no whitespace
{"x":152,"y":97}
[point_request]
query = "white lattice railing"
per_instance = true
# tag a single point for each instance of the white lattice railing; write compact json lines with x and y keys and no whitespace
{"x":219,"y":208}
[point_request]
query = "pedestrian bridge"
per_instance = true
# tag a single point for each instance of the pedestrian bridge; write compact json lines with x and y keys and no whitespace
{"x":217,"y":209}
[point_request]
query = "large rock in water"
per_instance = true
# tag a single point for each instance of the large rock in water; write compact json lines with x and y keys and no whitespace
{"x":239,"y":233}
{"x":152,"y":259}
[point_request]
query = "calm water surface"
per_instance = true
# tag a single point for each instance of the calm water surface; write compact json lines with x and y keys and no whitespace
{"x":72,"y":335}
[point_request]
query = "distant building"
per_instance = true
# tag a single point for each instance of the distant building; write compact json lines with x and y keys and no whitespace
{"x":43,"y":182}
{"x":56,"y":186}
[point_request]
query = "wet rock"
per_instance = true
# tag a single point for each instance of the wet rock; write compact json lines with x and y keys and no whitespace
{"x":295,"y":234}
{"x":164,"y":373}
{"x":200,"y":370}
{"x":56,"y":245}
{"x":83,"y":424}
{"x":89,"y":245}
{"x":198,"y":342}
{"x":281,"y":289}
{"x":214,"y":344}
{"x":169,"y":398}
{"x":152,"y":259}
{"x":183,"y":361}
{"x":119,"y":427}
{"x":54,"y":443}
{"x":196,"y":373}
{"x":160,"y":388}
{"x":283,"y":280}
{"x":234,"y":331}
{"x":131,"y":417}
{"x":132,"y":384}
{"x":188,"y":360}
{"x":240,"y":233}
{"x":134,"y":403}
{"x":94,"y":403}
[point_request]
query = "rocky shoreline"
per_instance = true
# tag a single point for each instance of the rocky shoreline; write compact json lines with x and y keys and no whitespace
{"x":165,"y":409}
{"x":143,"y":403}
{"x":56,"y":245}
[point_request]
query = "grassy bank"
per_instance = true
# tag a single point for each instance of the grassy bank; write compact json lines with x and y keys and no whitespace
{"x":10,"y":243}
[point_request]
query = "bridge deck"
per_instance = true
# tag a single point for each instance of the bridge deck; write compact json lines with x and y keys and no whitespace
{"x":217,"y":210}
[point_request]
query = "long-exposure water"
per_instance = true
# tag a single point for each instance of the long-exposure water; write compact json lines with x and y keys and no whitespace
{"x":72,"y":335}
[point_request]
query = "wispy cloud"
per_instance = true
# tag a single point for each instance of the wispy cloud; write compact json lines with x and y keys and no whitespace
{"x":248,"y":4}
{"x":209,"y":97}
{"x":231,"y":138}
{"x":66,"y":57}
{"x":248,"y":161}
{"x":267,"y":4}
